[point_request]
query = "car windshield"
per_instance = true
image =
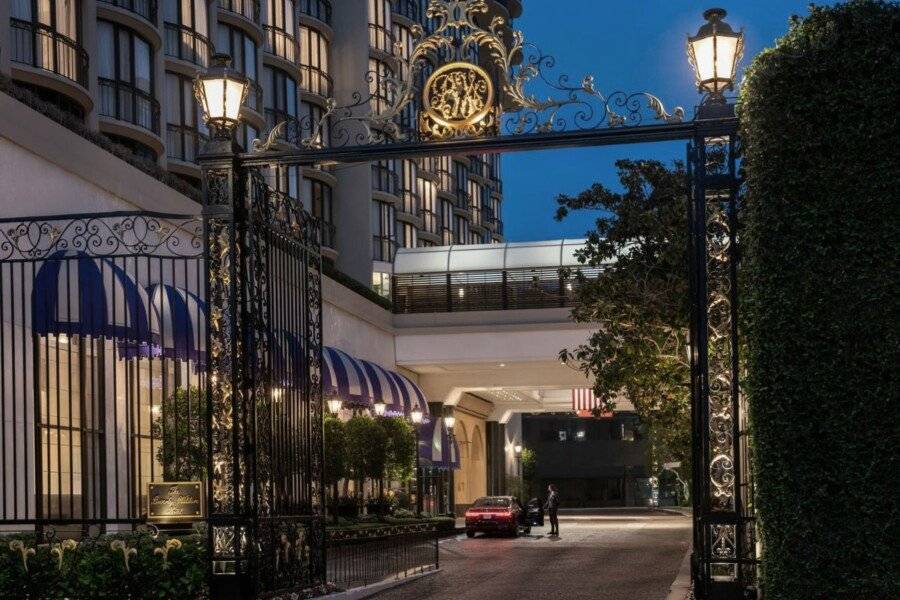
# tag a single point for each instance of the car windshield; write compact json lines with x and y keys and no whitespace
{"x":503,"y":502}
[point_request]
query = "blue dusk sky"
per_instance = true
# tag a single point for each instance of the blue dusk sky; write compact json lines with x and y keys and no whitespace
{"x":627,"y":46}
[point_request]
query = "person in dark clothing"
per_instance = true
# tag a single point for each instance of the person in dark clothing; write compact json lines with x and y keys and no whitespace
{"x":552,"y":507}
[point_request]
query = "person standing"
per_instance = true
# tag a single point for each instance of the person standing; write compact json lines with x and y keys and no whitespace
{"x":552,"y":507}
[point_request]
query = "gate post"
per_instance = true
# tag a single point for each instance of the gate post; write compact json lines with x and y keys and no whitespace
{"x":724,"y":556}
{"x":230,"y":524}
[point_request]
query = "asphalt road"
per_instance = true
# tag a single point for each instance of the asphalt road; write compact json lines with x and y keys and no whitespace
{"x":604,"y":555}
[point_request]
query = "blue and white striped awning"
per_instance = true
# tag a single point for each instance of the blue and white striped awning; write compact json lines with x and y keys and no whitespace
{"x":75,"y":294}
{"x":362,"y":383}
{"x":436,"y":447}
{"x":179,"y":316}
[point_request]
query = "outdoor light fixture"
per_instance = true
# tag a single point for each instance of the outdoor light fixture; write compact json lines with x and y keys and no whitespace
{"x":416,"y":415}
{"x":517,"y":448}
{"x":380,"y":407}
{"x":221,"y":92}
{"x":449,"y":421}
{"x":714,"y":54}
{"x":334,"y":405}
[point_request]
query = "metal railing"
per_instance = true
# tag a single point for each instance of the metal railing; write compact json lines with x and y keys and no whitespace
{"x":408,"y":9}
{"x":383,"y":248}
{"x":280,"y":43}
{"x":381,"y":39}
{"x":463,"y":201}
{"x":446,"y":235}
{"x":40,"y":46}
{"x":144,"y":8}
{"x":317,"y":9}
{"x":356,"y":563}
{"x":292,"y":129}
{"x":121,"y":100}
{"x":249,"y":9}
{"x":409,"y":202}
{"x":184,"y":43}
{"x":384,"y":179}
{"x":431,"y":221}
{"x":315,"y":81}
{"x":183,"y":142}
{"x":329,"y":234}
{"x":255,"y":97}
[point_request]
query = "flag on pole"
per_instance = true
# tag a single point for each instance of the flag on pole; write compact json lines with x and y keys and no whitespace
{"x":584,"y":402}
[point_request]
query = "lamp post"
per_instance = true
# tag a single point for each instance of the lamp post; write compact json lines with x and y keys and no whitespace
{"x":714,"y":54}
{"x":221,"y":92}
{"x":449,"y":423}
{"x":416,"y":417}
{"x":518,"y":451}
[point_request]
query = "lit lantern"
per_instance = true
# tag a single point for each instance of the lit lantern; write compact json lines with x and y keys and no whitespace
{"x":380,"y":407}
{"x":714,"y":54}
{"x":334,"y":405}
{"x":416,"y":415}
{"x":449,"y":421}
{"x":221,"y":92}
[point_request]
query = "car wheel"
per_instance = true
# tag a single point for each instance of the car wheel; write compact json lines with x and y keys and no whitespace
{"x":527,"y":530}
{"x":470,"y":533}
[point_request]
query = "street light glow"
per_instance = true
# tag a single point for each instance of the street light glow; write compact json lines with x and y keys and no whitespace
{"x":334,"y":405}
{"x":416,"y":415}
{"x":221,"y":92}
{"x":714,"y":54}
{"x":380,"y":407}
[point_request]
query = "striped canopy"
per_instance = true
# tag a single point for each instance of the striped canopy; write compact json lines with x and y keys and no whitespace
{"x":75,"y":294}
{"x":436,"y":447}
{"x":179,"y":317}
{"x":362,"y":383}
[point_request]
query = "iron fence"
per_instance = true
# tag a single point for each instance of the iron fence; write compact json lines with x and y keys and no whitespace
{"x":353,"y":563}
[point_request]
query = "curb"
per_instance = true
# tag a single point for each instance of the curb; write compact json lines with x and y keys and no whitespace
{"x":681,"y":587}
{"x":370,"y":590}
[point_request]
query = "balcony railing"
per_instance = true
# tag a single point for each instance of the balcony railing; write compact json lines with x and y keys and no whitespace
{"x":185,"y":44}
{"x":121,"y":100}
{"x":383,"y":248}
{"x":329,"y":234}
{"x":143,"y":8}
{"x":431,"y":221}
{"x":381,"y":39}
{"x":315,"y":81}
{"x":40,"y":46}
{"x":255,"y":97}
{"x":280,"y":43}
{"x":317,"y":9}
{"x":446,"y":235}
{"x":409,"y":202}
{"x":462,"y":201}
{"x":249,"y":9}
{"x":183,"y":142}
{"x":408,"y":9}
{"x":384,"y":179}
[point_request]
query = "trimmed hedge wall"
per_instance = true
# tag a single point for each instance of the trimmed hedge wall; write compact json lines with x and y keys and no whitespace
{"x":819,"y":114}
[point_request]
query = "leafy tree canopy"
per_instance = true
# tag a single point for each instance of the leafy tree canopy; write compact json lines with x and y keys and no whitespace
{"x":336,"y":456}
{"x":366,"y":448}
{"x":401,"y":448}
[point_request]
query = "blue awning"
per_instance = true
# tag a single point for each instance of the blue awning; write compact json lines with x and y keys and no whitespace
{"x":362,"y":383}
{"x":179,"y":317}
{"x":75,"y":294}
{"x":437,"y":448}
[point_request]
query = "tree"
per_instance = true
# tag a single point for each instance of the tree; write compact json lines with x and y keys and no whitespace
{"x":529,"y":472}
{"x":640,"y":301}
{"x":366,"y":449}
{"x":336,"y":458}
{"x":400,"y":453}
{"x":180,"y":425}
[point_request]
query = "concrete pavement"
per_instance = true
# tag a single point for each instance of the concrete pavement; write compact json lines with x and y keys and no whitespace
{"x":604,"y":554}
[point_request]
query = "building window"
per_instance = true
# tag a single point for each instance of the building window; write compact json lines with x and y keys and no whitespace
{"x":245,"y":135}
{"x":428,"y":201}
{"x":383,"y":234}
{"x":185,"y":130}
{"x":280,"y":29}
{"x":321,"y":206}
{"x":125,"y":75}
{"x":446,"y":225}
{"x":279,"y":97}
{"x":186,"y":30}
{"x":314,"y":62}
{"x":460,"y":230}
{"x":409,"y":193}
{"x":382,"y":94}
{"x":381,"y":283}
{"x":45,"y":34}
{"x":242,"y":49}
{"x":380,"y":36}
{"x":407,"y":236}
{"x":311,"y":117}
{"x":461,"y":174}
{"x":406,"y":42}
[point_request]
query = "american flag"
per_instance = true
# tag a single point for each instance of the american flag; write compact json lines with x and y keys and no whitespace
{"x":584,"y":401}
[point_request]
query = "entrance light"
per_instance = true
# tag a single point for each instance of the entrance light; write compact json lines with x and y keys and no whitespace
{"x":416,"y":415}
{"x":714,"y":54}
{"x":380,"y":407}
{"x":517,"y":449}
{"x":334,"y":405}
{"x":221,"y":92}
{"x":449,"y":421}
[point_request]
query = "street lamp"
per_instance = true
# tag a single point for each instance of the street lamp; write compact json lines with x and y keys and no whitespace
{"x":221,"y":92}
{"x":380,"y":407}
{"x":518,"y":450}
{"x":416,"y":417}
{"x":334,"y":405}
{"x":714,"y":54}
{"x":449,"y":422}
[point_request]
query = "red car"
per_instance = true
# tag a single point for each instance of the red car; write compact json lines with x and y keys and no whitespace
{"x":501,"y":514}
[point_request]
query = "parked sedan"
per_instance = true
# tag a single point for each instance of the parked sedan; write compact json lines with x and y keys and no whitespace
{"x":500,"y":514}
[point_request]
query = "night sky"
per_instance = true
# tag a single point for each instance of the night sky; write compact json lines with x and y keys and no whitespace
{"x":627,"y":46}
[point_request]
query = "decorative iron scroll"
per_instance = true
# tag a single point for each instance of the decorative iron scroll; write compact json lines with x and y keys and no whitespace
{"x":112,"y":234}
{"x":378,"y":116}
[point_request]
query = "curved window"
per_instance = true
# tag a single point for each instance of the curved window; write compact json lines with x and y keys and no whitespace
{"x":311,"y":116}
{"x":383,"y":236}
{"x":280,"y":29}
{"x":406,"y":42}
{"x":245,"y":135}
{"x":185,"y":130}
{"x":317,"y":9}
{"x":279,"y":97}
{"x":380,"y":36}
{"x":320,"y":204}
{"x":186,"y":30}
{"x":125,"y":75}
{"x":409,"y":193}
{"x":446,"y":219}
{"x":382,"y":95}
{"x":428,"y":200}
{"x":45,"y":34}
{"x":314,"y":62}
{"x":242,"y":50}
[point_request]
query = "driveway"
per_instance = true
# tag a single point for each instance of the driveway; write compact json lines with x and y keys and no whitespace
{"x":611,"y":554}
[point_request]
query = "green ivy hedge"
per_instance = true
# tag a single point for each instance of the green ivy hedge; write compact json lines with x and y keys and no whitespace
{"x":96,"y":568}
{"x":819,"y":114}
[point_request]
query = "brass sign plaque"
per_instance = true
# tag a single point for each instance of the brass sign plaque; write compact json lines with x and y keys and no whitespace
{"x":175,"y":501}
{"x":458,"y":100}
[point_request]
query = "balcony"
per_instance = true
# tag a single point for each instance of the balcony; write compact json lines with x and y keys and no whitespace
{"x":446,"y":236}
{"x":383,"y":248}
{"x":143,"y":8}
{"x":317,"y":9}
{"x":431,"y":221}
{"x":39,"y":46}
{"x":121,"y":100}
{"x":183,"y":142}
{"x":381,"y":39}
{"x":329,"y":234}
{"x":280,"y":43}
{"x":409,"y":202}
{"x":185,"y":44}
{"x":384,"y":179}
{"x":408,"y":9}
{"x":249,"y":9}
{"x":462,"y":201}
{"x":255,"y":97}
{"x":315,"y":81}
